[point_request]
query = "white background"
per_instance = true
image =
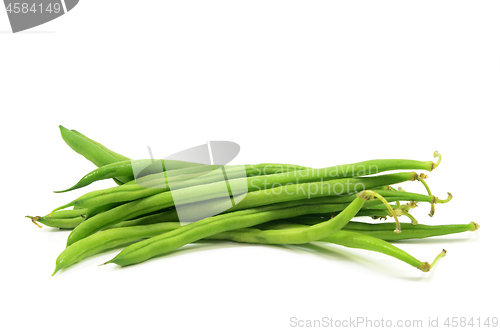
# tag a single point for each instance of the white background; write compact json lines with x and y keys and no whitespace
{"x":315,"y":83}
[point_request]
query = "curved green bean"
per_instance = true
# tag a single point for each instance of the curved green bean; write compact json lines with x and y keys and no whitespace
{"x":368,"y":242}
{"x":345,"y":238}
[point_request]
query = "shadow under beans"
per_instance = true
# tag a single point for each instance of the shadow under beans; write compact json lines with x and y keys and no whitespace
{"x":324,"y":250}
{"x":334,"y":252}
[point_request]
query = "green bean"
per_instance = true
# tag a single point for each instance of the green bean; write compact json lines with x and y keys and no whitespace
{"x":61,"y":223}
{"x":107,"y":239}
{"x":382,"y":231}
{"x":367,"y":242}
{"x":63,"y":219}
{"x":92,"y":150}
{"x":169,"y":241}
{"x":260,"y":182}
{"x":161,"y":172}
{"x":259,"y":198}
{"x":126,"y":168}
{"x":117,"y":156}
{"x":345,"y":238}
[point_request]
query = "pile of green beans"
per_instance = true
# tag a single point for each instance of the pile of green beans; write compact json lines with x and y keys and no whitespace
{"x":267,"y":204}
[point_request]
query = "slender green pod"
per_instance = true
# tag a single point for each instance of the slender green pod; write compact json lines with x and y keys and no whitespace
{"x":92,"y":150}
{"x":63,"y":219}
{"x":410,"y":231}
{"x":117,"y":156}
{"x":345,"y":238}
{"x":108,"y":239}
{"x":178,"y":171}
{"x":260,"y":182}
{"x":368,"y":242}
{"x":126,"y":168}
{"x":61,"y":223}
{"x":259,"y":198}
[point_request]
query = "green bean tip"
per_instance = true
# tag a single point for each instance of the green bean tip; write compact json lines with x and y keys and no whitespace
{"x":34,"y":220}
{"x":448,"y":199}
{"x":436,"y":164}
{"x":474,"y":226}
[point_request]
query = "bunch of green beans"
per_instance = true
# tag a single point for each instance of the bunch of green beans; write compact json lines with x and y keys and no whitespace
{"x":170,"y":203}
